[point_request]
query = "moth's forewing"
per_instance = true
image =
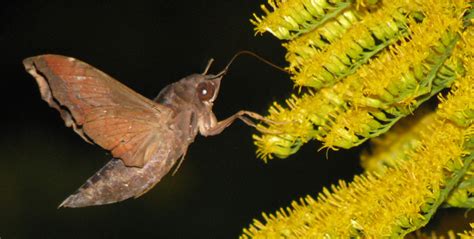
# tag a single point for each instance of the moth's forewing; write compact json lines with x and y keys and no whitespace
{"x":99,"y":107}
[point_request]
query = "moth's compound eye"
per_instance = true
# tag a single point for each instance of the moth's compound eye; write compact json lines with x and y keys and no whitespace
{"x":205,"y":90}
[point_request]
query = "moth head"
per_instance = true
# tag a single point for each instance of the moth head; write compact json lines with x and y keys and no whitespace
{"x":207,"y":89}
{"x":196,"y":89}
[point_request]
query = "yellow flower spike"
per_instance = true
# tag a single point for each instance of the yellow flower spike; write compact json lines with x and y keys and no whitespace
{"x":325,"y":66}
{"x":462,"y":111}
{"x":403,"y":73}
{"x":281,"y":146}
{"x":292,"y":18}
{"x":322,"y":113}
{"x":301,"y":119}
{"x":391,"y":149}
{"x":306,"y":46}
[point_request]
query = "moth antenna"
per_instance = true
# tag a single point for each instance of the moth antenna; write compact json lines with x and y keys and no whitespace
{"x":209,"y":63}
{"x":245,"y":52}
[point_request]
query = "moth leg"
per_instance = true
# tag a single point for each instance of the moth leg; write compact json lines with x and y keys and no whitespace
{"x":180,"y":162}
{"x":242,"y":115}
{"x":256,"y":116}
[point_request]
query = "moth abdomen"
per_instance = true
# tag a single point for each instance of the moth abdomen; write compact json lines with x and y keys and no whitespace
{"x":116,"y":182}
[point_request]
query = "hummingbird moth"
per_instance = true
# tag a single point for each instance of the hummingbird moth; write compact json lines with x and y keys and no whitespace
{"x":145,"y":137}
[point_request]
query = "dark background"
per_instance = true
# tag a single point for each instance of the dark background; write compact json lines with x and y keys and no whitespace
{"x":220,"y":187}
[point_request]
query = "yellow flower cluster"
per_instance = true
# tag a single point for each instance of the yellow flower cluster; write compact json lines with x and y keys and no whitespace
{"x":350,"y":43}
{"x":390,"y":202}
{"x":366,"y":68}
{"x":423,"y":162}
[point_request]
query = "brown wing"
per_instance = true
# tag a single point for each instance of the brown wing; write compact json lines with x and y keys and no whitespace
{"x":99,"y":108}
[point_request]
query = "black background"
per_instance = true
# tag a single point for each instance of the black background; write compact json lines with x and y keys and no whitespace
{"x":220,"y":187}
